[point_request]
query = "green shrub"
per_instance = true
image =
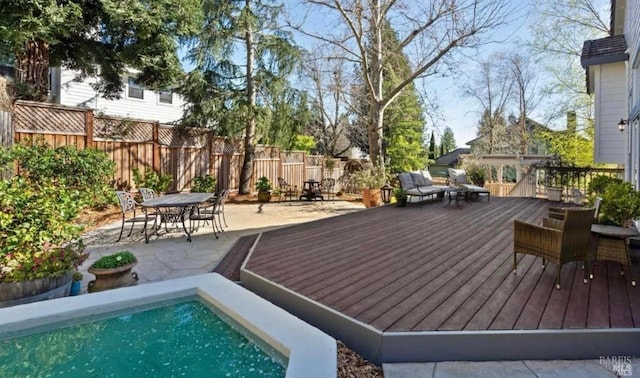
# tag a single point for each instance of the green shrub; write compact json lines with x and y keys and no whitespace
{"x":204,"y":184}
{"x":151,"y":180}
{"x":598,"y":184}
{"x":86,"y":173}
{"x":36,"y":226}
{"x":115,"y":260}
{"x":620,"y":204}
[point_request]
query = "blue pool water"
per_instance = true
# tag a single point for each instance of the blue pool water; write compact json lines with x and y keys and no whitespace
{"x":185,"y":339}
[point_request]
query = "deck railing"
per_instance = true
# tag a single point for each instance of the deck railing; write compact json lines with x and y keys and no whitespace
{"x":573,"y":181}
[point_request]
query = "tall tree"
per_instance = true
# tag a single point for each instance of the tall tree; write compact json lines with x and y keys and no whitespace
{"x":430,"y":31}
{"x":432,"y":146}
{"x":558,"y":33}
{"x":330,"y":102}
{"x":524,"y":78}
{"x":98,"y":38}
{"x":404,"y":123}
{"x":243,"y":93}
{"x":491,"y":86}
{"x":448,"y":141}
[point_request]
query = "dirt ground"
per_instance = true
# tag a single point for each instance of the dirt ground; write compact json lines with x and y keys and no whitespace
{"x":350,"y":364}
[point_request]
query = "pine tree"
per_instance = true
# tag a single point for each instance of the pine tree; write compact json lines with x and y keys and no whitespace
{"x":254,"y":94}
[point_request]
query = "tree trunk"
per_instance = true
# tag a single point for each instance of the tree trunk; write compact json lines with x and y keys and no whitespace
{"x":376,"y":115}
{"x":32,"y":69}
{"x":375,"y":134}
{"x":250,"y":129}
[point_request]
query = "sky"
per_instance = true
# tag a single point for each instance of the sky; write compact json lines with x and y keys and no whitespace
{"x":456,"y":111}
{"x":459,"y":112}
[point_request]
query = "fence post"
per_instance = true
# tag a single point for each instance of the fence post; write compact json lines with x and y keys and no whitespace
{"x":88,"y":128}
{"x":156,"y":146}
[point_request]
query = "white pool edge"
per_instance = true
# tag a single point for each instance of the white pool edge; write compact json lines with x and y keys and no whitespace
{"x":311,"y":353}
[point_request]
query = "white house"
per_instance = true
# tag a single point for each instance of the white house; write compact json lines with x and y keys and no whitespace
{"x":135,"y":102}
{"x":613,"y":76}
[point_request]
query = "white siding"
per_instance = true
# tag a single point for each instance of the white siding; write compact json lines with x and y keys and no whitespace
{"x":632,"y":36}
{"x":610,"y":106}
{"x":74,"y":93}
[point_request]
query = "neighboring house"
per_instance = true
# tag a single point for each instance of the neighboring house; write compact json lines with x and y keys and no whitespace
{"x":536,"y":145}
{"x":136,"y":102}
{"x":449,"y":160}
{"x":613,"y":76}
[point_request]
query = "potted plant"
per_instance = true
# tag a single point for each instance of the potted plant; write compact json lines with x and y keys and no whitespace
{"x":39,"y":245}
{"x":370,"y":180}
{"x":76,"y":282}
{"x":475,"y":173}
{"x":263,"y":186}
{"x":113,"y":271}
{"x":401,"y":197}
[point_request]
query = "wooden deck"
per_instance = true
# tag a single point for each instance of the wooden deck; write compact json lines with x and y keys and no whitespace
{"x":435,"y":268}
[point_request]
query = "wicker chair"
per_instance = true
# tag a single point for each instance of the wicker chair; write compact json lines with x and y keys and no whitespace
{"x":556,"y":241}
{"x":558,"y":212}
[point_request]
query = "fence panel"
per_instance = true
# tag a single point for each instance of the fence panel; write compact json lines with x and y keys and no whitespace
{"x":293,"y":174}
{"x":6,"y":129}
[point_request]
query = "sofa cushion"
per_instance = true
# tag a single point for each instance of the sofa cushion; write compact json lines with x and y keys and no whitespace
{"x":417,"y":178}
{"x":405,"y":181}
{"x":426,"y":176}
{"x":457,"y":177}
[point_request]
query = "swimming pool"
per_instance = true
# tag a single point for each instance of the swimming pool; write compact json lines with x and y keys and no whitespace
{"x":305,"y":350}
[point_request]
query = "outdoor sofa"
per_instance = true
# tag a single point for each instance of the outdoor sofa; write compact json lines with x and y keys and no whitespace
{"x":458,"y":177}
{"x":419,"y":184}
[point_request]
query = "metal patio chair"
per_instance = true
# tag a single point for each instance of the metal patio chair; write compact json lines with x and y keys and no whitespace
{"x":128,"y":206}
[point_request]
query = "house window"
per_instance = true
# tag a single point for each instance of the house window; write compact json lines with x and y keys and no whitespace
{"x":135,"y":90}
{"x":165,"y":97}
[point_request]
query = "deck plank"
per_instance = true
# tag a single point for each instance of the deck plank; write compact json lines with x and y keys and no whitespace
{"x":430,"y":267}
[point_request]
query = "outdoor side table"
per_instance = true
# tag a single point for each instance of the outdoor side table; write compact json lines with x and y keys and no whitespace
{"x":456,"y":194}
{"x":311,"y":190}
{"x":612,"y":244}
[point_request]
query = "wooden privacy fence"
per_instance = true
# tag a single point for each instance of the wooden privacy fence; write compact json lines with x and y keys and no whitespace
{"x":183,"y":153}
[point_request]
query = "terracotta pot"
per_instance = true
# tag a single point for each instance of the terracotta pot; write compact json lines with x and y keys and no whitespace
{"x":371,"y":197}
{"x":264,"y":196}
{"x":112,"y":278}
{"x":15,"y":293}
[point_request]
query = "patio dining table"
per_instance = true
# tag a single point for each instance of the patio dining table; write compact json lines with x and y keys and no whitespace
{"x":175,"y":208}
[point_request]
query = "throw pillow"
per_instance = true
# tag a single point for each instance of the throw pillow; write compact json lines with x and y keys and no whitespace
{"x":405,"y":181}
{"x":457,"y":177}
{"x":426,"y":176}
{"x":417,"y":178}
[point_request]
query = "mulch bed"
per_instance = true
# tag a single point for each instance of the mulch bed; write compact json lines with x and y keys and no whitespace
{"x":352,"y":365}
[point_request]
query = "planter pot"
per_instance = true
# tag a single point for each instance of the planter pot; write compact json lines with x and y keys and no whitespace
{"x":554,"y":194}
{"x":264,"y":196}
{"x":371,"y":197}
{"x":401,"y":202}
{"x":75,"y":288}
{"x":29,"y":291}
{"x":112,"y":278}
